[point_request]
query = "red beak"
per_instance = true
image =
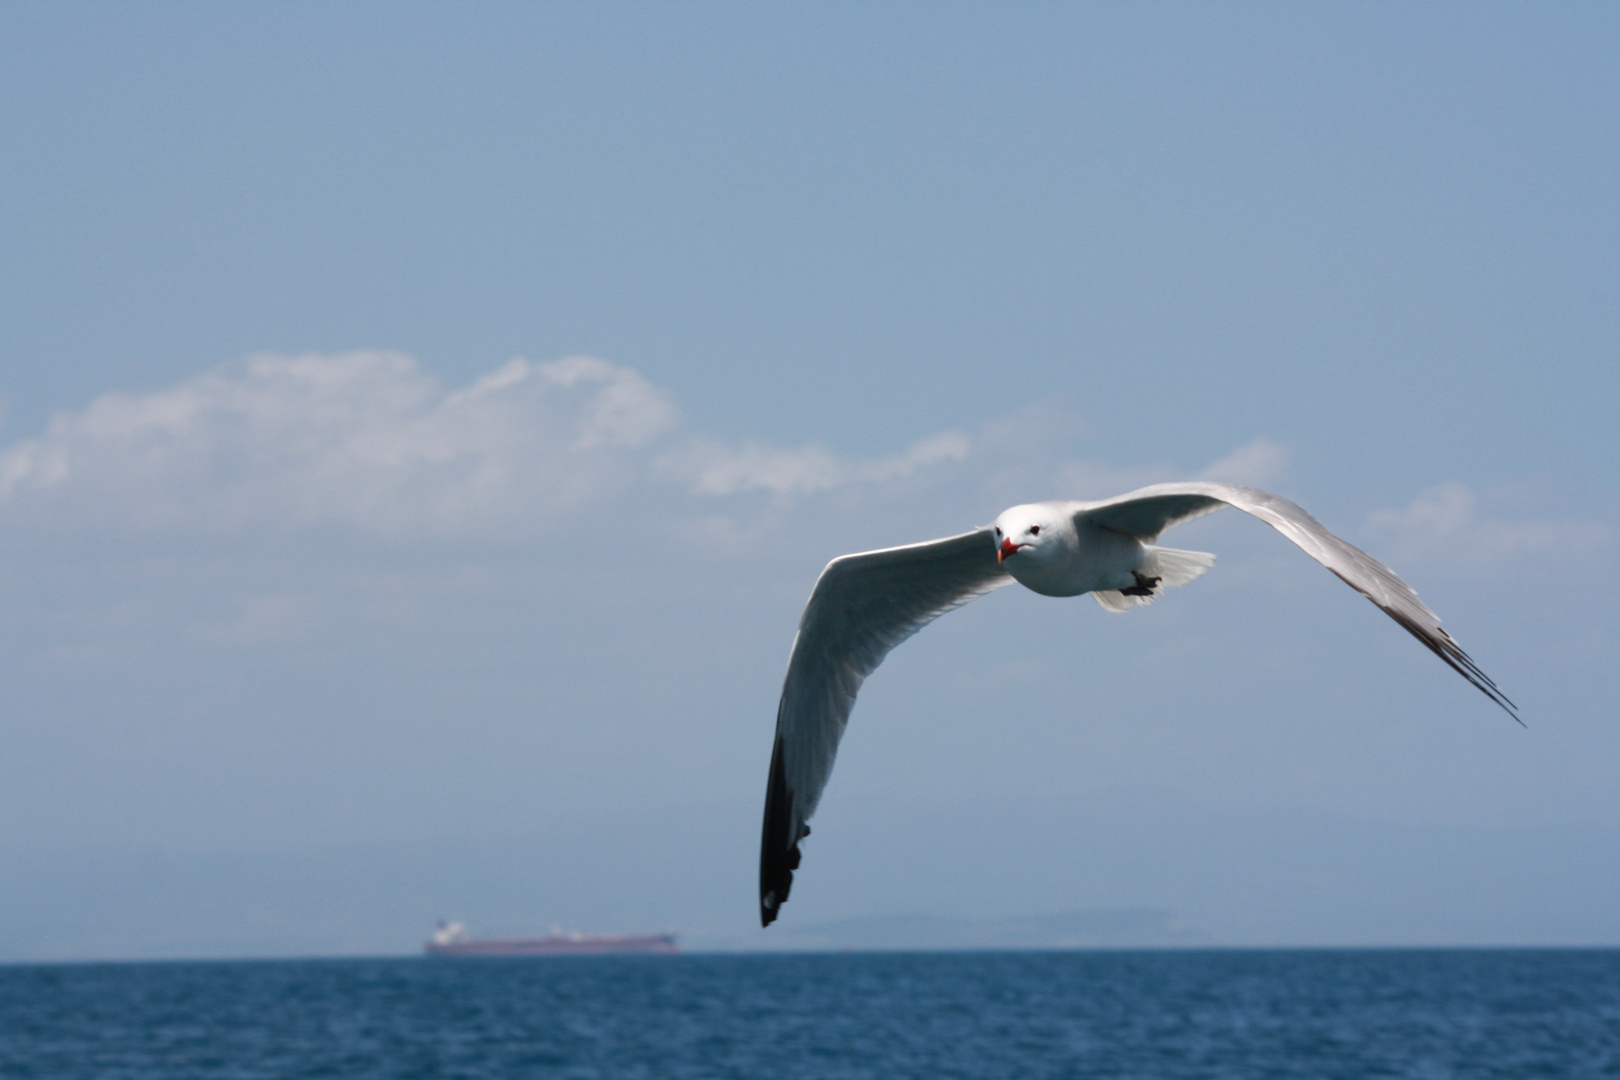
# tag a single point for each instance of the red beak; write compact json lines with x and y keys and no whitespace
{"x":1007,"y":548}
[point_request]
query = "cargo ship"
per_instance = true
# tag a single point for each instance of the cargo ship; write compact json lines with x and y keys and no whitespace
{"x":451,"y":939}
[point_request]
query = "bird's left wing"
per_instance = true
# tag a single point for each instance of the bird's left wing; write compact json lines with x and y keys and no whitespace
{"x":863,"y":605}
{"x":1149,"y":511}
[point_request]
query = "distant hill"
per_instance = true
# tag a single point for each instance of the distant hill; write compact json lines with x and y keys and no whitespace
{"x":1103,"y":928}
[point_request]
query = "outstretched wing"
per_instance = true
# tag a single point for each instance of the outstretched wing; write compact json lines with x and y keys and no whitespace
{"x":1149,"y":511}
{"x":862,"y":606}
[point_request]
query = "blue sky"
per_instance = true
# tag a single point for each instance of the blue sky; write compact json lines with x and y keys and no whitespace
{"x":422,"y":427}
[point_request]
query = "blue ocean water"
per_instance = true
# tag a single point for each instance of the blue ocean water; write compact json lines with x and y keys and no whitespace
{"x":1207,"y":1014}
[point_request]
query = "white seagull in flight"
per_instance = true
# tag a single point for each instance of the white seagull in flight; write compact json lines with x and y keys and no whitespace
{"x":865,"y":604}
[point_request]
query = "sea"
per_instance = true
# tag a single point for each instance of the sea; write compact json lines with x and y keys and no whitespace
{"x":1210,"y":1014}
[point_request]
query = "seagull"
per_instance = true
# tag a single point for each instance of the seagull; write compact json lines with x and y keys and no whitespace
{"x":865,"y":604}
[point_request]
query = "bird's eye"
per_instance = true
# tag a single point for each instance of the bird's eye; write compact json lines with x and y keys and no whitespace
{"x":1034,"y":530}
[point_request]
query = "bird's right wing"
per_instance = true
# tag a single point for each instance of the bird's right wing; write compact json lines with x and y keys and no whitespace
{"x":863,"y":605}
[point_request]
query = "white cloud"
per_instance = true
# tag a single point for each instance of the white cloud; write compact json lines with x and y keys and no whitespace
{"x":714,"y":469}
{"x":1259,"y":463}
{"x":1445,"y":523}
{"x":363,"y":439}
{"x":711,"y":468}
{"x":367,"y":442}
{"x":948,"y":446}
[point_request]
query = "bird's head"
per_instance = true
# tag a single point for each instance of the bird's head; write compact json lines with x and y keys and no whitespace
{"x":1028,"y":534}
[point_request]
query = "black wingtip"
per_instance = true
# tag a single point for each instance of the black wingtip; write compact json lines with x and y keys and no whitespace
{"x":1446,"y":648}
{"x":778,"y":847}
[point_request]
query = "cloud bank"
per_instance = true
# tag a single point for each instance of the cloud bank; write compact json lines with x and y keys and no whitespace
{"x":1447,"y":524}
{"x":368,"y":443}
{"x":363,"y":440}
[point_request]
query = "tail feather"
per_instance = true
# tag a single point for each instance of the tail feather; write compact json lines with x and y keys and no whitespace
{"x":1175,"y":567}
{"x":1170,"y":565}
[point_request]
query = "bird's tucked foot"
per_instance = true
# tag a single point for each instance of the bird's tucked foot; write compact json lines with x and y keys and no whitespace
{"x":1144,"y":585}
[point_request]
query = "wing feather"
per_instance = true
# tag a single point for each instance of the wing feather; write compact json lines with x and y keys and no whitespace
{"x":1147,"y":512}
{"x":862,"y":606}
